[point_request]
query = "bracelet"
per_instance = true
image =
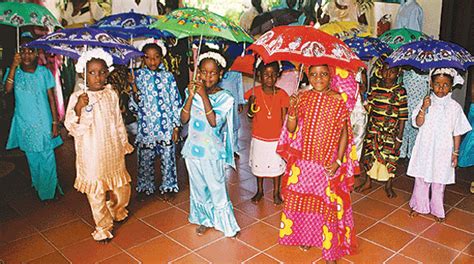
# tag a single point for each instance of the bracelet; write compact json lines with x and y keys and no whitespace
{"x":398,"y":140}
{"x":339,"y":162}
{"x":290,"y":117}
{"x":250,"y":115}
{"x":55,"y":122}
{"x":209,"y":112}
{"x":10,"y":80}
{"x":455,"y":153}
{"x":184,"y":110}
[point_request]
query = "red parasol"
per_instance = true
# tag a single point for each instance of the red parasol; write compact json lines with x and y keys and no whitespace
{"x":243,"y":64}
{"x":306,"y":45}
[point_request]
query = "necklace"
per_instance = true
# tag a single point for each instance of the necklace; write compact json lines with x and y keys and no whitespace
{"x":90,"y":107}
{"x":269,"y":110}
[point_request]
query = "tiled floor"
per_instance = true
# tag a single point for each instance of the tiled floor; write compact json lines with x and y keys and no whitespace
{"x":158,"y":231}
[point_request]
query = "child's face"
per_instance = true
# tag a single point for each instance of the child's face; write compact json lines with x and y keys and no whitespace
{"x":28,"y":57}
{"x":209,"y":73}
{"x":152,"y":58}
{"x":389,"y":75}
{"x":319,"y":77}
{"x":269,"y":77}
{"x":441,"y":85}
{"x":97,"y":73}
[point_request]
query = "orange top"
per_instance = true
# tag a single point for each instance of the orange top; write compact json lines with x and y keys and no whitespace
{"x":268,"y":120}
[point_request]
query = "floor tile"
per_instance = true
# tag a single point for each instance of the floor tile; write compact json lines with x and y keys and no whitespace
{"x":8,"y":213}
{"x":55,"y":214}
{"x":90,"y":251}
{"x":387,"y":236}
{"x":404,"y":183}
{"x":460,"y":219}
{"x":401,"y":219}
{"x":467,"y":204}
{"x":25,"y":249}
{"x":261,"y":259}
{"x":355,"y":196}
{"x":181,"y":196}
{"x":69,"y":233}
{"x":54,"y":257}
{"x":167,"y":220}
{"x":459,"y":188}
{"x":470,"y":249}
{"x":184,"y":206}
{"x":448,"y":236}
{"x":428,"y":252}
{"x":292,"y":254}
{"x":187,"y":236}
{"x":158,"y":250}
{"x":239,"y":195}
{"x":121,"y":258}
{"x":368,"y":252}
{"x":243,"y":220}
{"x":400,"y":259}
{"x":381,"y":196}
{"x":373,"y":208}
{"x":452,"y":198}
{"x":148,"y":207}
{"x":231,"y":251}
{"x":15,"y":229}
{"x":464,"y":259}
{"x":134,"y":233}
{"x":261,"y":210}
{"x":259,"y":235}
{"x":190,"y":259}
{"x":273,"y":220}
{"x":362,"y":222}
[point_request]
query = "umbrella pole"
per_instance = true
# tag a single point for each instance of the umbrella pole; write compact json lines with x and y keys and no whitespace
{"x":17,"y":38}
{"x":195,"y":63}
{"x":299,"y":78}
{"x":85,"y":74}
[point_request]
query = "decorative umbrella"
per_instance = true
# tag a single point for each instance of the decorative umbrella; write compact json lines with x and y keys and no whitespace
{"x":26,"y":14}
{"x":307,"y":45}
{"x":344,"y":29}
{"x":131,"y":25}
{"x":268,"y":20}
{"x":428,"y":54}
{"x":400,"y":36}
{"x":367,"y":48}
{"x":72,"y":42}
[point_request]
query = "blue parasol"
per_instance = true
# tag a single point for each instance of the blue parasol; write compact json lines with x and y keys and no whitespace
{"x":131,"y":25}
{"x":367,"y":48}
{"x":73,"y":42}
{"x":428,"y":54}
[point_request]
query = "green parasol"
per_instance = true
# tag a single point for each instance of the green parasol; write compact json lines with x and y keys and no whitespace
{"x":400,"y":36}
{"x":26,"y":14}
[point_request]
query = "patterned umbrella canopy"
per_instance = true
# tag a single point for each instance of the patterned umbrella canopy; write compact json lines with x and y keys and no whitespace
{"x":368,"y":47}
{"x":26,"y":14}
{"x":186,"y":22}
{"x":344,"y":29}
{"x":400,"y":36}
{"x":307,"y":45}
{"x":131,"y":25}
{"x":73,"y":41}
{"x":428,"y":54}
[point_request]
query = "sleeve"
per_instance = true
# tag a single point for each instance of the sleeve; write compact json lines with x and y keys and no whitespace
{"x":248,"y":93}
{"x":403,"y":101}
{"x":222,"y":108}
{"x":153,"y":8}
{"x":240,"y":89}
{"x":120,"y":125}
{"x":116,"y":6}
{"x":461,"y":125}
{"x":176,"y":102}
{"x":71,"y":119}
{"x":49,"y":79}
{"x":415,"y":114}
{"x":97,"y":11}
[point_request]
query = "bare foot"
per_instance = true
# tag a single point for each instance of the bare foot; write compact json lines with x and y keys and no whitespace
{"x":331,"y":262}
{"x":257,"y":197}
{"x":364,"y":186}
{"x":236,"y":235}
{"x":200,"y":230}
{"x":413,"y":213}
{"x":277,"y":200}
{"x":169,"y":196}
{"x":304,"y":248}
{"x":104,"y":241}
{"x":439,"y":219}
{"x":389,"y":190}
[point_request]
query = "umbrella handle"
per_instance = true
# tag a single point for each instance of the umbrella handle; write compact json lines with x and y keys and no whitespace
{"x":299,"y":79}
{"x":18,"y":39}
{"x":195,"y":63}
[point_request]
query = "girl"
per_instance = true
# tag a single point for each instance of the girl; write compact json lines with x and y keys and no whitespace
{"x":156,"y":101}
{"x":435,"y":155}
{"x":316,"y":143}
{"x":387,"y":111}
{"x":34,"y":127}
{"x":267,"y":123}
{"x":94,"y":119}
{"x":209,"y":146}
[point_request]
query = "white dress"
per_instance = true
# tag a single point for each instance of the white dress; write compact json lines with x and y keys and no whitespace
{"x":147,"y":7}
{"x":431,"y":157}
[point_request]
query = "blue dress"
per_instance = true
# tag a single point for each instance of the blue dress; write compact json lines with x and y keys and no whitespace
{"x":31,"y":128}
{"x":207,"y":151}
{"x":466,"y":151}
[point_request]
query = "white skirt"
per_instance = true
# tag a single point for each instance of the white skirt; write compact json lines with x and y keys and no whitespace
{"x":263,"y":159}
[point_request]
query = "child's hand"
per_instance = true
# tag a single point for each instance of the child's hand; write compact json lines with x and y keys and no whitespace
{"x":175,"y":136}
{"x":252,"y":99}
{"x":240,"y":108}
{"x":426,"y":103}
{"x":82,"y":101}
{"x":192,"y":87}
{"x":331,"y":169}
{"x":16,"y":60}
{"x":454,"y":160}
{"x":55,"y":130}
{"x":294,"y":101}
{"x":131,"y":78}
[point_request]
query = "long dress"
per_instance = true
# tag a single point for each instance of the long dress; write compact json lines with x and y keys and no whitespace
{"x":207,"y":151}
{"x":466,"y":151}
{"x":416,"y":86}
{"x":431,"y":159}
{"x":387,"y":107}
{"x":317,"y":210}
{"x":31,"y":128}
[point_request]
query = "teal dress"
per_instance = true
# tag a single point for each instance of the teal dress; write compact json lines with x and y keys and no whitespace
{"x":207,"y":151}
{"x":466,"y":151}
{"x":31,"y":128}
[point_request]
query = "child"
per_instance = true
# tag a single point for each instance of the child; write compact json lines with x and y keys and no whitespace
{"x":35,"y":122}
{"x":435,"y":155}
{"x":387,"y":103}
{"x":272,"y":103}
{"x":209,"y":146}
{"x":94,"y":119}
{"x":157,"y":101}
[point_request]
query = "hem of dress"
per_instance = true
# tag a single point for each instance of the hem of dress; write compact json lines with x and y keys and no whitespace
{"x":117,"y":179}
{"x":222,"y":219}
